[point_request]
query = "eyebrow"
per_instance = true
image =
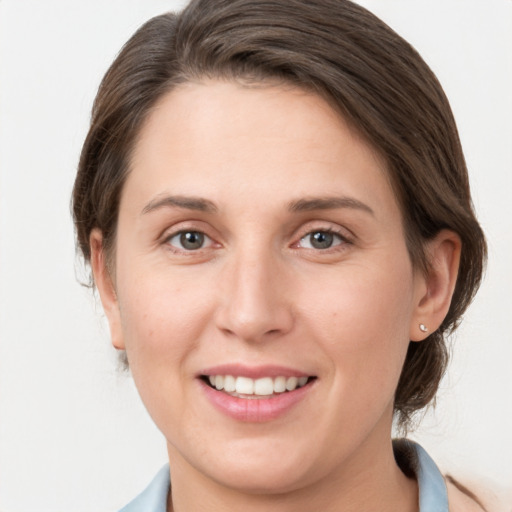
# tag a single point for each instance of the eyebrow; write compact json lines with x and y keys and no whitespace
{"x":301,"y":205}
{"x":328,"y":203}
{"x":189,"y":203}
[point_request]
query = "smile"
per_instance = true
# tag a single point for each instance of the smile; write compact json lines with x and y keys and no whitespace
{"x":264,"y":387}
{"x":255,"y":395}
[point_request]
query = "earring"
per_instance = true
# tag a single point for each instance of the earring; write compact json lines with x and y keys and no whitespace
{"x":423,"y":328}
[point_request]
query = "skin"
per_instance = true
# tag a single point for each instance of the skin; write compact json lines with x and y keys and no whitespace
{"x":259,"y":293}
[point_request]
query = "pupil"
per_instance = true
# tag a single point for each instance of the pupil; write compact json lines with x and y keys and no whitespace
{"x":321,"y":240}
{"x":192,"y":240}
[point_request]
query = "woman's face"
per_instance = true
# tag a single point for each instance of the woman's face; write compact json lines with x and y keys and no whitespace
{"x":259,"y":246}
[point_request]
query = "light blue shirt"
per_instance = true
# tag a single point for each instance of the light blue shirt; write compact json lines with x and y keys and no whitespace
{"x":432,"y":488}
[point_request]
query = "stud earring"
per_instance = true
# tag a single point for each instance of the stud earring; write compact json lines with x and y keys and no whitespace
{"x":423,"y":328}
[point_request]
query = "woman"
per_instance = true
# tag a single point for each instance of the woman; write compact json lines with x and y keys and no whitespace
{"x":275,"y":206}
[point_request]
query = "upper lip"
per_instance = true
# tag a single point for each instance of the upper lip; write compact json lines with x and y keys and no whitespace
{"x":253,"y":372}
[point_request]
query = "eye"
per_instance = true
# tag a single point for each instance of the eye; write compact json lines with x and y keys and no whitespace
{"x":189,"y":240}
{"x":321,"y":240}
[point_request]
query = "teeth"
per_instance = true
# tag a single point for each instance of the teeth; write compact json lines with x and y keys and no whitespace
{"x":219,"y":382}
{"x":244,"y":386}
{"x":262,"y":387}
{"x":229,"y":383}
{"x":291,"y":383}
{"x":279,"y":384}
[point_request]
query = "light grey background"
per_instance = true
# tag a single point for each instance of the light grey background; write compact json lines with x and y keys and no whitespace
{"x":73,"y":434}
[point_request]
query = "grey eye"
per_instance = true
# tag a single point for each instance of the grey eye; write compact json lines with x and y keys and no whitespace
{"x":192,"y":240}
{"x":188,"y":240}
{"x":321,"y":240}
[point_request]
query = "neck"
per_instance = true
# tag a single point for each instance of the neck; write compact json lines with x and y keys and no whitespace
{"x":370,"y":480}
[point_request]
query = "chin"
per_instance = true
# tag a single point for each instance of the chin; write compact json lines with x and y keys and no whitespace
{"x":271,"y":467}
{"x":266,"y":480}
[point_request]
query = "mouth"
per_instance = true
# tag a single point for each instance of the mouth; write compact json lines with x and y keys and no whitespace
{"x":256,"y":394}
{"x":260,"y":388}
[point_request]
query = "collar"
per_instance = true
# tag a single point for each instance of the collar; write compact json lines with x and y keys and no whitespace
{"x":414,"y":461}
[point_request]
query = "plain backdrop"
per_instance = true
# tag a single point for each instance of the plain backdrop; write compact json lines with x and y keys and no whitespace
{"x":73,"y":434}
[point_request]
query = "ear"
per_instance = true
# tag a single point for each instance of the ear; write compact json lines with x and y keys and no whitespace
{"x":434,"y":291}
{"x":106,"y":289}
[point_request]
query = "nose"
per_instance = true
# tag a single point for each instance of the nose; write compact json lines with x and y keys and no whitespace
{"x":255,"y":303}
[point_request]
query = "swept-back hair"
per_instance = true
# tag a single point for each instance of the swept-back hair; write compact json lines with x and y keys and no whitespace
{"x":339,"y":50}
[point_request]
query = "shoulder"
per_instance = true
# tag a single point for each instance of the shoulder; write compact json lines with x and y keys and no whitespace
{"x":459,"y":500}
{"x":475,"y":497}
{"x":438,"y":492}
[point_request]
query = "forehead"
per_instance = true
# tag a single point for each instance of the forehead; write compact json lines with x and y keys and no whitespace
{"x":221,"y":137}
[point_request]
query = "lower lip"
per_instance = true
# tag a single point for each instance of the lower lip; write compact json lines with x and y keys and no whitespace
{"x":255,"y":410}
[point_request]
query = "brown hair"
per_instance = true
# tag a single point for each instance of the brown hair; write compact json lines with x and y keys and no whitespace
{"x":339,"y":50}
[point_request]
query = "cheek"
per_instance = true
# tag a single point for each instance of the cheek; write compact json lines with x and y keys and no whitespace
{"x":162,"y":322}
{"x":363,"y":324}
{"x":374,"y":301}
{"x":161,"y":318}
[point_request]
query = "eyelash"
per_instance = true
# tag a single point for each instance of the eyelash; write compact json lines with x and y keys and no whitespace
{"x":342,"y":241}
{"x":185,"y":232}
